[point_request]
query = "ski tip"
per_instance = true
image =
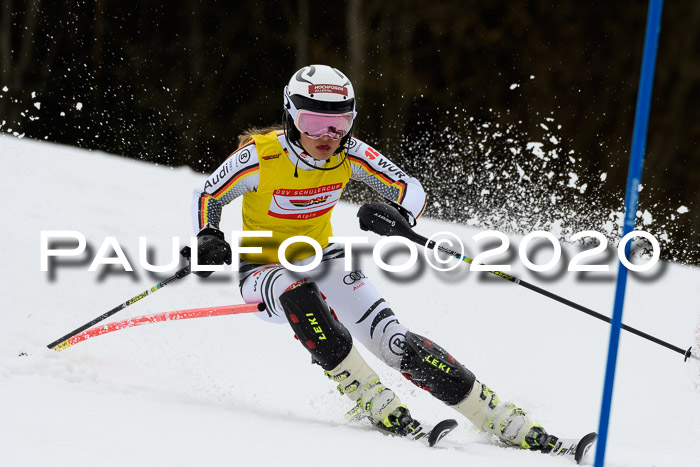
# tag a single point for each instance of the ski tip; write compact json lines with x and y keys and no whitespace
{"x":440,"y":431}
{"x":584,"y":446}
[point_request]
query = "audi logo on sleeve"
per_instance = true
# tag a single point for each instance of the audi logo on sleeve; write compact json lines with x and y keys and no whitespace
{"x":304,"y":203}
{"x":353,"y":277}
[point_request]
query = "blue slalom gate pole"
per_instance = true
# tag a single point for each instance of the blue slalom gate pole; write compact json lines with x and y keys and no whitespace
{"x":634,"y":176}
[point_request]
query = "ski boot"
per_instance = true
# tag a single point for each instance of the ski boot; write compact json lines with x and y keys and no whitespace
{"x":380,"y":404}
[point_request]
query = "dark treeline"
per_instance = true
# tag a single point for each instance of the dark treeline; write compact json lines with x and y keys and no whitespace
{"x":176,"y":82}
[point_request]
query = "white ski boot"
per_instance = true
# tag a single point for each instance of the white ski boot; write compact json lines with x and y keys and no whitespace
{"x":380,"y":404}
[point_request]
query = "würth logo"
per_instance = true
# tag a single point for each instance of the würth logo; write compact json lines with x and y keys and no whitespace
{"x":371,"y":153}
{"x":328,"y":88}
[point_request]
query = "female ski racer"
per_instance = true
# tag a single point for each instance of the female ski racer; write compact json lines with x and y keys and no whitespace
{"x":290,"y":180}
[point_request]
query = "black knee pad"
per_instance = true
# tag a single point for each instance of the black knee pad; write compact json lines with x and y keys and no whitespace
{"x":430,"y":367}
{"x":317,"y":329}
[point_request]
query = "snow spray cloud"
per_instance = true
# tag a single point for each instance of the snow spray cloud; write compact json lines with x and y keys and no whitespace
{"x":492,"y":176}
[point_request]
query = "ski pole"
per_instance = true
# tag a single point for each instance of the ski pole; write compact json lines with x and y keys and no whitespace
{"x":161,"y":317}
{"x":384,"y":219}
{"x":62,"y":342}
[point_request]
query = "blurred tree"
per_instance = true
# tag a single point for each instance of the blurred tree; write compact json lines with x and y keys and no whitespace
{"x":16,"y":51}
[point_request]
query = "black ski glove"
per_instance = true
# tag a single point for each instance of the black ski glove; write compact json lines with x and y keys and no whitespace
{"x":378,"y":206}
{"x":385,"y":219}
{"x":212,"y":250}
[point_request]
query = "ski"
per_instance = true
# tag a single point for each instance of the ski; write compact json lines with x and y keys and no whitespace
{"x":419,"y":432}
{"x":575,"y":449}
{"x":405,"y":426}
{"x":410,"y":428}
{"x":441,"y":430}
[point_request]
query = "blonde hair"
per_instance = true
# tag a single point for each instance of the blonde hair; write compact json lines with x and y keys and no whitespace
{"x":248,"y":134}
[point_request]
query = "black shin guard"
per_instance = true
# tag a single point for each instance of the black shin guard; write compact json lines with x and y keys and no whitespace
{"x":321,"y":334}
{"x":430,"y":367}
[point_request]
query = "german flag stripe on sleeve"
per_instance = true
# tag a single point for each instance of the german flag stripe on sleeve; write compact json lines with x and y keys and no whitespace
{"x":381,"y":176}
{"x":218,"y":194}
{"x":402,"y":190}
{"x":203,"y":206}
{"x":423,"y":209}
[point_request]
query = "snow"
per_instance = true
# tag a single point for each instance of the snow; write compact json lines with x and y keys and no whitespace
{"x":234,"y":390}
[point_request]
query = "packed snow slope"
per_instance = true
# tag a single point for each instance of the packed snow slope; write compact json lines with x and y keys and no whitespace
{"x":234,"y":390}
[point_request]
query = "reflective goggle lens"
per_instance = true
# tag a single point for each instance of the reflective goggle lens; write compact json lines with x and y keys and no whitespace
{"x":315,"y":125}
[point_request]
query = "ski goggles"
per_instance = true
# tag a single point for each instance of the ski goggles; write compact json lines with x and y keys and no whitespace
{"x":316,"y":125}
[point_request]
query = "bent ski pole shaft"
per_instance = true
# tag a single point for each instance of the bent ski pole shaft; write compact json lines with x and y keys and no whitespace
{"x":161,"y":317}
{"x":62,"y":342}
{"x":386,"y":220}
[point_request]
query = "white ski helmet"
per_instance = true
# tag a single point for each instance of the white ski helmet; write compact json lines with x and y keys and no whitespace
{"x":319,"y":89}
